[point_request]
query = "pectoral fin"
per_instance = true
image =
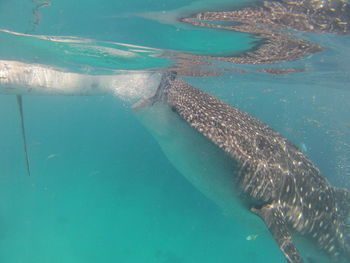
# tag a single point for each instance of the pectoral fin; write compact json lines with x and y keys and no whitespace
{"x":273,"y":217}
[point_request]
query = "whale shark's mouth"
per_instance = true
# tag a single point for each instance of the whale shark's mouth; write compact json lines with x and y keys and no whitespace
{"x":38,"y":79}
{"x":18,"y":78}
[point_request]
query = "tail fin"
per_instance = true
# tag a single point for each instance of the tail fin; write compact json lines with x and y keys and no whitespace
{"x":20,"y":106}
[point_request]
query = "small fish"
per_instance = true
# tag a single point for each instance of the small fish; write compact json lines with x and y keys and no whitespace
{"x":251,"y":237}
{"x":50,"y":156}
{"x":303,"y":147}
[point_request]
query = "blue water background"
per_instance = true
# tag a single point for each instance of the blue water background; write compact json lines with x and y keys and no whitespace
{"x":101,"y":190}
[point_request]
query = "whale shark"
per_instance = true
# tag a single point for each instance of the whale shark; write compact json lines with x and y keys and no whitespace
{"x":248,"y":169}
{"x":240,"y":163}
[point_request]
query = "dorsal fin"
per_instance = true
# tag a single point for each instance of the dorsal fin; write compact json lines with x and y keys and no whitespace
{"x":20,"y":106}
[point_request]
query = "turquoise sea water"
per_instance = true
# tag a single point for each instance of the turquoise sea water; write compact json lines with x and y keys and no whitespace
{"x":100,"y":188}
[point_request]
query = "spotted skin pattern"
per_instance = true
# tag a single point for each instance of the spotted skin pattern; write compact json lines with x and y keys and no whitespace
{"x":281,"y":185}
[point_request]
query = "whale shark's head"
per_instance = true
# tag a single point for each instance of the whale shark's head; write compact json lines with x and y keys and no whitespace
{"x":161,"y":93}
{"x":164,"y":86}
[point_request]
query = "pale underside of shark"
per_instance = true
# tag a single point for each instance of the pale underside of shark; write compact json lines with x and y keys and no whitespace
{"x":19,"y":78}
{"x":180,"y":116}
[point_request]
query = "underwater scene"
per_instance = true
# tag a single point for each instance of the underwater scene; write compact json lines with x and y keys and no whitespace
{"x":178,"y":131}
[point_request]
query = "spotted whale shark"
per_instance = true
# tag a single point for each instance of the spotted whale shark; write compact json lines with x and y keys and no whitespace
{"x":248,"y":168}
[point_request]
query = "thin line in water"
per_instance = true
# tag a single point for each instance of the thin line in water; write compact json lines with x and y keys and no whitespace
{"x":20,"y":106}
